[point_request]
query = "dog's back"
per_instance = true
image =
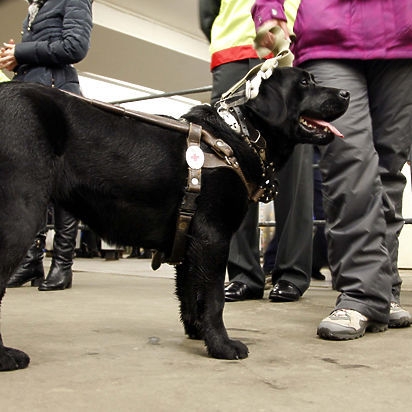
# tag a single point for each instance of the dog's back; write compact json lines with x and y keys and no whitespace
{"x":105,"y":168}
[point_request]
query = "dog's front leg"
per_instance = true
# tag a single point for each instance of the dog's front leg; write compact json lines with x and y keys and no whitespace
{"x":200,"y":288}
{"x":217,"y":341}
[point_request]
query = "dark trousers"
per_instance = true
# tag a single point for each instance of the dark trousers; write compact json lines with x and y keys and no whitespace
{"x":293,"y":209}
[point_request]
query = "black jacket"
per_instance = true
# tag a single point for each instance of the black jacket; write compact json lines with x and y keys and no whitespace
{"x":58,"y":37}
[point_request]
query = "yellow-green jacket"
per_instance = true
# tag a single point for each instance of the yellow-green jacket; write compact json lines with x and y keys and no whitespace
{"x":3,"y":77}
{"x":229,"y":26}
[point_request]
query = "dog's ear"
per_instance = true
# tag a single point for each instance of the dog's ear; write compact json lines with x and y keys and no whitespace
{"x":269,"y":105}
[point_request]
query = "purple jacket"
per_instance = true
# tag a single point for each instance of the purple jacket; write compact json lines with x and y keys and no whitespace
{"x":345,"y":29}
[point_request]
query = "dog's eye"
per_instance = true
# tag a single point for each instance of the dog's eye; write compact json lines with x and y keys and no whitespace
{"x":304,"y":82}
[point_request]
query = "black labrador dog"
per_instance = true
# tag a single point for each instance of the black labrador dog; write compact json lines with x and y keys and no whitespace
{"x":125,"y":177}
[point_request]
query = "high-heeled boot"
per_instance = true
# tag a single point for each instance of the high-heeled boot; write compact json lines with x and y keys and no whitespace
{"x":31,"y":269}
{"x":60,"y":274}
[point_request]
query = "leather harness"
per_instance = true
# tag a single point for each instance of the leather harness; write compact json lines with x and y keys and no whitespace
{"x":227,"y":108}
{"x":222,"y":156}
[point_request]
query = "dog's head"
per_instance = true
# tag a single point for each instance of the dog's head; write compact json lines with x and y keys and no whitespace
{"x":290,"y":103}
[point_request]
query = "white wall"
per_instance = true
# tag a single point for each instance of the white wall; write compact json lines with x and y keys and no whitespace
{"x":109,"y":90}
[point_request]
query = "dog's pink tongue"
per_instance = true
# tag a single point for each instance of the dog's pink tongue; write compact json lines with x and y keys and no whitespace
{"x":322,"y":123}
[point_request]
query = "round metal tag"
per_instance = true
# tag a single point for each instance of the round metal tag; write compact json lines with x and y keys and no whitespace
{"x":195,"y":157}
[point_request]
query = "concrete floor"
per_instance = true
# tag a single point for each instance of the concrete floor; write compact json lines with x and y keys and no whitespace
{"x":114,"y":343}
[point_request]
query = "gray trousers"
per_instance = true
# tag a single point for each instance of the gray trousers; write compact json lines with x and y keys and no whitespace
{"x":293,"y":210}
{"x":362,"y":180}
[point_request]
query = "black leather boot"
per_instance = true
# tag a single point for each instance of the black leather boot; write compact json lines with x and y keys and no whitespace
{"x":60,"y":273}
{"x":31,"y":269}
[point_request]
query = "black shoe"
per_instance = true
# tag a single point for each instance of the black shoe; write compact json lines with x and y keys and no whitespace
{"x":237,"y":291}
{"x":284,"y":291}
{"x":31,"y":269}
{"x":60,"y":274}
{"x":60,"y":277}
{"x":17,"y":279}
{"x":316,"y":274}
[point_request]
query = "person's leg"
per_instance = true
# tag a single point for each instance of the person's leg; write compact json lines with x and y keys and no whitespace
{"x":294,"y":220}
{"x":358,"y":257}
{"x":60,"y":274}
{"x":244,"y":259}
{"x":88,"y":244}
{"x":320,"y":247}
{"x":31,"y":268}
{"x":269,"y":256}
{"x":391,"y":101}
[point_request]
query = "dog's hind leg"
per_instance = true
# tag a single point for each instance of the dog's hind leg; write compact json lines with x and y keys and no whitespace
{"x":186,"y":292}
{"x":200,"y":288}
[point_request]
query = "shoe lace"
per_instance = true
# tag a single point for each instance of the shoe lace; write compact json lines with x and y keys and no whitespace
{"x":340,"y":313}
{"x":347,"y":313}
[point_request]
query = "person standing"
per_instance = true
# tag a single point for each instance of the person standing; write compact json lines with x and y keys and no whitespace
{"x":229,"y":27}
{"x":56,"y":34}
{"x":364,"y":47}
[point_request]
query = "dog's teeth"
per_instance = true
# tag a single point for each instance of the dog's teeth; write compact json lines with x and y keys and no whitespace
{"x":311,"y":125}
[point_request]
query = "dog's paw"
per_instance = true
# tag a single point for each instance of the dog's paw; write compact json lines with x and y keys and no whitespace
{"x":231,"y":349}
{"x":12,"y":359}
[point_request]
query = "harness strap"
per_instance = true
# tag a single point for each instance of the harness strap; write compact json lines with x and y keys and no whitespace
{"x":223,"y":157}
{"x":161,"y":121}
{"x":188,"y":206}
{"x":221,"y":148}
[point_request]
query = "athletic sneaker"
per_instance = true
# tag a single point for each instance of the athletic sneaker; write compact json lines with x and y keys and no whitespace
{"x":398,"y":317}
{"x":345,"y":324}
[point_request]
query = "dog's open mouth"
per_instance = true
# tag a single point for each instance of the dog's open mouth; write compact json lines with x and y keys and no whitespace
{"x":319,"y":128}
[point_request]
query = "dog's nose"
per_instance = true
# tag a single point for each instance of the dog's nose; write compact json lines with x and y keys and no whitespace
{"x":344,"y":94}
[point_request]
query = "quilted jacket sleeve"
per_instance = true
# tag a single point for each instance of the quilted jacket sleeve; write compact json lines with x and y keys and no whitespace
{"x":57,"y":40}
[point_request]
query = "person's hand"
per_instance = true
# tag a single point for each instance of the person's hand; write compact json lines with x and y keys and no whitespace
{"x":265,"y":35}
{"x":7,"y":59}
{"x":273,"y":37}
